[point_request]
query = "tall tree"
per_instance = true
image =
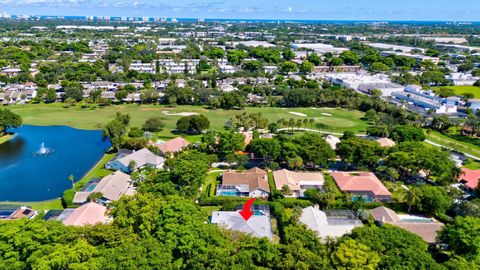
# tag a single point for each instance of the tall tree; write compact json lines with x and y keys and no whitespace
{"x":8,"y":119}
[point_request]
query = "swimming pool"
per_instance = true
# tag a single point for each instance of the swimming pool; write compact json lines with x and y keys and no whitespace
{"x":229,"y":193}
{"x":91,"y":187}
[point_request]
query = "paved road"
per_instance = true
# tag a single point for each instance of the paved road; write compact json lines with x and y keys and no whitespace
{"x":446,"y":147}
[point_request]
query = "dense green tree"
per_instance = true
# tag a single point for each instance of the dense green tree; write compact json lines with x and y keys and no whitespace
{"x":398,"y":249}
{"x":188,"y":170}
{"x":360,"y":152}
{"x":306,"y":67}
{"x":313,"y":149}
{"x":288,"y":66}
{"x":193,"y":124}
{"x":8,"y":119}
{"x":116,"y":129}
{"x":434,"y":200}
{"x":463,"y":237}
{"x":153,"y":124}
{"x":407,"y":133}
{"x":314,"y":58}
{"x":268,"y":149}
{"x":350,"y":254}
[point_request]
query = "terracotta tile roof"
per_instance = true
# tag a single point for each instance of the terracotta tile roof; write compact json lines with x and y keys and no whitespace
{"x":248,"y":137}
{"x":426,"y":229}
{"x":173,"y":146}
{"x":255,"y":178}
{"x":87,"y":214}
{"x":360,"y":181}
{"x":114,"y":185}
{"x":23,"y":212}
{"x":295,"y":179}
{"x":469,"y":177}
{"x":384,"y":214}
{"x":385,"y":142}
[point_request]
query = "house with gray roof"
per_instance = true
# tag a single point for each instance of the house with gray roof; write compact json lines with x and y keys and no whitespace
{"x":329,"y":224}
{"x":426,"y":228}
{"x":136,"y":160}
{"x":112,"y":187}
{"x":258,"y":225}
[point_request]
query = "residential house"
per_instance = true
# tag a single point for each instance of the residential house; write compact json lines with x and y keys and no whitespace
{"x":385,"y":142}
{"x":87,"y":214}
{"x":362,"y":184}
{"x":112,"y":187}
{"x":23,"y":212}
{"x":135,"y":160}
{"x":474,"y":104}
{"x":172,"y":146}
{"x":298,"y":182}
{"x":252,"y":183}
{"x":258,"y":225}
{"x":469,"y":178}
{"x":426,"y":228}
{"x":329,"y":224}
{"x":332,"y":141}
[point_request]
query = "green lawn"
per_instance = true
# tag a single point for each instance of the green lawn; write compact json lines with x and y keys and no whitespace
{"x":5,"y":138}
{"x":336,"y":120}
{"x":55,"y":204}
{"x":461,"y":89}
{"x":459,"y":142}
{"x":97,"y":171}
{"x":210,"y":183}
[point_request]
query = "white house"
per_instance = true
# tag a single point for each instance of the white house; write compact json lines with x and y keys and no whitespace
{"x":136,"y":160}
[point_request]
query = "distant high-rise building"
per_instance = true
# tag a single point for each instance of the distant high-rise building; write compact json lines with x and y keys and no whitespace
{"x":124,"y":19}
{"x":145,"y":19}
{"x":163,"y":19}
{"x":90,"y":18}
{"x":5,"y":15}
{"x":174,"y":20}
{"x":200,"y":20}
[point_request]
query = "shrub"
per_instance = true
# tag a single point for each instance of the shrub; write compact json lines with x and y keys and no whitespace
{"x":67,"y":198}
{"x":154,"y":124}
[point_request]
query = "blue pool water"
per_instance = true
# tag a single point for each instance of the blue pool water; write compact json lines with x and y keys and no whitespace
{"x":228,"y":193}
{"x":27,"y":177}
{"x":91,"y":187}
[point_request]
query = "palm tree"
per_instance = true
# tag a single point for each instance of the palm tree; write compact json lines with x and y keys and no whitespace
{"x":410,"y":196}
{"x":72,"y":179}
{"x":286,"y":190}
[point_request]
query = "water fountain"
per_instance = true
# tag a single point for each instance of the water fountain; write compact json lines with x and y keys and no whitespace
{"x":43,"y":151}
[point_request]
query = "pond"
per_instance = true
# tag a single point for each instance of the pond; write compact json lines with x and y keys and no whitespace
{"x":25,"y":175}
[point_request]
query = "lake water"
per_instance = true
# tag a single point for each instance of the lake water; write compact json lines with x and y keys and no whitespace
{"x":25,"y":176}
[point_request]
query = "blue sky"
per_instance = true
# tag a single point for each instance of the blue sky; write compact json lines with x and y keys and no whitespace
{"x":460,"y":10}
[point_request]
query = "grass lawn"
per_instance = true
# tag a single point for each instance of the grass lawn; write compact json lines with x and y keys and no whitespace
{"x":55,"y":204}
{"x":97,"y":171}
{"x":330,"y":119}
{"x":5,"y":138}
{"x":271,"y":182}
{"x":210,"y":183}
{"x":210,"y":209}
{"x":461,"y":89}
{"x":459,"y":142}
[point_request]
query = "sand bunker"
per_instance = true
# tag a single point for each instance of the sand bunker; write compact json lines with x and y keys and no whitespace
{"x":297,"y":114}
{"x":326,"y":114}
{"x":179,"y":114}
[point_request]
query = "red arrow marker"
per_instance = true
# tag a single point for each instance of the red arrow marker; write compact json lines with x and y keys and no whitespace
{"x":246,"y":213}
